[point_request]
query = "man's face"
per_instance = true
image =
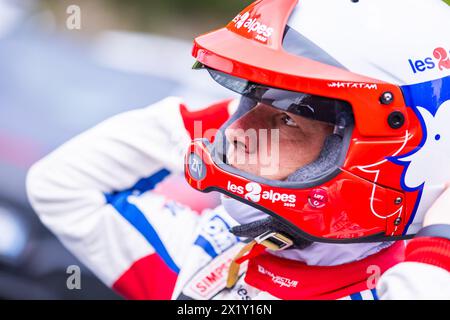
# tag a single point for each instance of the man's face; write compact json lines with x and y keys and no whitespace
{"x":255,"y":149}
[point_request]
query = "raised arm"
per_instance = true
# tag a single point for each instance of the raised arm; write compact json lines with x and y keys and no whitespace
{"x":95,"y":194}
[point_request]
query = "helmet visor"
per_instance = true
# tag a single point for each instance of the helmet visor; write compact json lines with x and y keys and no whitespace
{"x":332,"y":111}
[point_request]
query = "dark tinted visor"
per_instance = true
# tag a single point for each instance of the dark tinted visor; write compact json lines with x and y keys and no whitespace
{"x":313,"y":107}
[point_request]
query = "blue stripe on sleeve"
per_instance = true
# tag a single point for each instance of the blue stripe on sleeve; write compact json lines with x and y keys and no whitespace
{"x":374,"y":293}
{"x":356,"y":296}
{"x":147,"y":184}
{"x":119,"y":200}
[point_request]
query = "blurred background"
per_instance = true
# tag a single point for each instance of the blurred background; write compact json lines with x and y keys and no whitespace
{"x":56,"y":82}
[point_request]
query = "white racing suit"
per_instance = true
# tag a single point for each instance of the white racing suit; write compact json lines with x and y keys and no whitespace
{"x":97,"y":194}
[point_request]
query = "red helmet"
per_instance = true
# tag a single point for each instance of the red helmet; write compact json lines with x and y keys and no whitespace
{"x":382,"y":81}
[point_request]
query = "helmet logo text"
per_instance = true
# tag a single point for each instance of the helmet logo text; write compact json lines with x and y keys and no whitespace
{"x":252,"y":191}
{"x":440,"y":60}
{"x":262,"y":31}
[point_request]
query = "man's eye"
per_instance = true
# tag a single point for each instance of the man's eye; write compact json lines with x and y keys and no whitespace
{"x":288,"y":121}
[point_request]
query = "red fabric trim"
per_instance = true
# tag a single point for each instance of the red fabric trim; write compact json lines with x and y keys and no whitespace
{"x":256,"y":251}
{"x":211,"y":117}
{"x":293,"y":280}
{"x":147,"y":279}
{"x":429,"y":250}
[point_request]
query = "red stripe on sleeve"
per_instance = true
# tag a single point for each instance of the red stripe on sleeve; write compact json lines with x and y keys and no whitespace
{"x":147,"y":279}
{"x":429,"y":250}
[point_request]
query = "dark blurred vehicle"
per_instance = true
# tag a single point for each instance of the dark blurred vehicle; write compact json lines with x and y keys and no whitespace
{"x":53,"y":87}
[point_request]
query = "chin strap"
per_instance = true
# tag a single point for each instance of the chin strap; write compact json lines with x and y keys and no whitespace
{"x":265,"y":229}
{"x":268,"y":240}
{"x":269,"y":233}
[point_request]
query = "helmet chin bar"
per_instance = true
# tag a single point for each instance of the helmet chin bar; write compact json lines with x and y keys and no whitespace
{"x":319,"y":211}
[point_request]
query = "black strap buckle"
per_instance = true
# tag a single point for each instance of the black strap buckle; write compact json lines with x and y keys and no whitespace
{"x":274,"y":241}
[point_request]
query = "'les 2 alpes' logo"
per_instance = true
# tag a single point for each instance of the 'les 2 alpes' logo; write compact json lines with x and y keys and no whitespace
{"x":440,"y":59}
{"x":253,"y":26}
{"x":252,"y":191}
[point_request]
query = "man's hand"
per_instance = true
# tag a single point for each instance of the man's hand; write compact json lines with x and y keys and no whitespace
{"x":439,"y":213}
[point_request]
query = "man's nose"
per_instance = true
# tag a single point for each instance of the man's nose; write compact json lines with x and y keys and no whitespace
{"x":243,"y":133}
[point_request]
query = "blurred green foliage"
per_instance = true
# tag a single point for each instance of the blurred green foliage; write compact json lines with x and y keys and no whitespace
{"x":197,"y":14}
{"x":181,"y":18}
{"x":190,"y":7}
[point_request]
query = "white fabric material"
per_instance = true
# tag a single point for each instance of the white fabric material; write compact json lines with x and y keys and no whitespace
{"x":241,"y":212}
{"x":330,"y":254}
{"x":414,"y":281}
{"x":67,"y":191}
